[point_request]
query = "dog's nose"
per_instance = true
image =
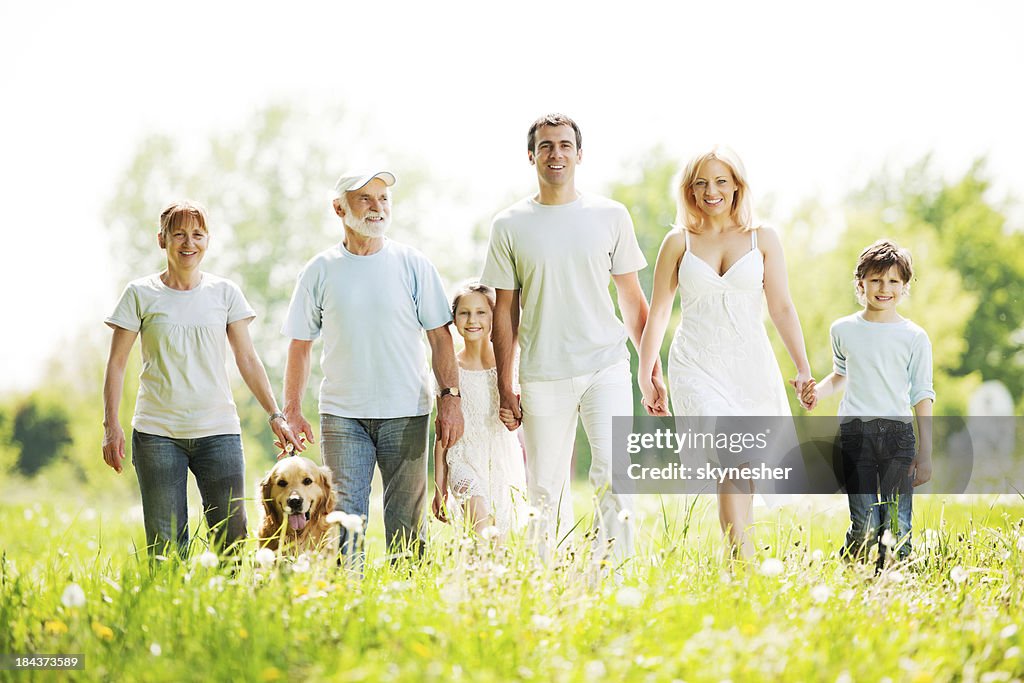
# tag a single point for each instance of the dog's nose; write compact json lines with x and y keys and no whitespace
{"x":295,"y":502}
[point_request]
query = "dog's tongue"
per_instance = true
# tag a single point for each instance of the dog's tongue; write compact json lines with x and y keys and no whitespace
{"x":297,"y":522}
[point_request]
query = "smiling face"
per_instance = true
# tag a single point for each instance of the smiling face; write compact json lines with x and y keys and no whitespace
{"x":473,"y":316}
{"x":555,"y":155}
{"x":367,"y":211}
{"x":185,"y":244}
{"x":881,"y":290}
{"x":714,"y":188}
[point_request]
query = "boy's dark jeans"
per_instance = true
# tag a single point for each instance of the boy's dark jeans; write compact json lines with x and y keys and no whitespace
{"x":876,"y":458}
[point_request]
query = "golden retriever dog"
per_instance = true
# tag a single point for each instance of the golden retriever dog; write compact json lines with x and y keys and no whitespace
{"x":297,"y":497}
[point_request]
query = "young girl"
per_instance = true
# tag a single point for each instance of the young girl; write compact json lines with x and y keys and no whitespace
{"x":484,"y":470}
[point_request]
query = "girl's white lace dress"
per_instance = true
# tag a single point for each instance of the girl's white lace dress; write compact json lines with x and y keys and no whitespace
{"x":488,"y":460}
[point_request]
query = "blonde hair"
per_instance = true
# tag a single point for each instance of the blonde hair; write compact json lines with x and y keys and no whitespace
{"x":688,"y":215}
{"x":182,"y":213}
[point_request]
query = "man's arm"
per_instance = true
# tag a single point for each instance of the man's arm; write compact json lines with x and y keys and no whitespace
{"x":449,"y":426}
{"x":634,"y":309}
{"x":296,"y":375}
{"x":505,"y":333}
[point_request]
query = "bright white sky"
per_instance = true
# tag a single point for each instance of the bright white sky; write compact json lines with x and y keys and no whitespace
{"x":814,"y":96}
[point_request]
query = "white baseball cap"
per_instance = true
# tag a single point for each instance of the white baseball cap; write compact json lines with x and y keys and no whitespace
{"x":353,"y":181}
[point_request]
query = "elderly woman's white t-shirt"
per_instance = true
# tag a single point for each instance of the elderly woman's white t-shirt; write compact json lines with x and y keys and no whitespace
{"x":183,"y":388}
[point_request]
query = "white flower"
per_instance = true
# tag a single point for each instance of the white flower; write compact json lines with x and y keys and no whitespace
{"x":821,"y":593}
{"x":155,"y":650}
{"x":1020,"y":543}
{"x":531,"y":512}
{"x":28,"y":514}
{"x":1009,"y":631}
{"x":208,"y":560}
{"x":624,"y":515}
{"x":301,"y":564}
{"x":817,"y":556}
{"x":957,"y":574}
{"x":352,"y":523}
{"x":772,"y":567}
{"x":888,"y":540}
{"x":627,"y":596}
{"x":895,"y":576}
{"x":542,"y":622}
{"x":73,"y":596}
{"x":265,"y":557}
{"x":594,"y":669}
{"x":489,"y":532}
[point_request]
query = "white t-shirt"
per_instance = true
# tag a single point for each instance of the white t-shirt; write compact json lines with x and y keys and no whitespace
{"x":183,"y":388}
{"x":888,"y":366}
{"x":561,"y":258}
{"x":372,"y":311}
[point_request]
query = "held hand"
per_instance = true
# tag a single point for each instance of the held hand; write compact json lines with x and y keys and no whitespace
{"x":449,"y":425}
{"x":507,"y":418}
{"x":287,"y":441}
{"x":439,"y":506}
{"x":653,"y":396}
{"x":300,"y":428}
{"x":806,"y":391}
{"x":113,"y":447}
{"x":512,"y":410}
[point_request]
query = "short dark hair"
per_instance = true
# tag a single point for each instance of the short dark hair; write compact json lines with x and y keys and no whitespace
{"x":554,"y":119}
{"x":880,"y":257}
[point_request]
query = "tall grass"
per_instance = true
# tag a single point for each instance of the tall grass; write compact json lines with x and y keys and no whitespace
{"x":472,"y":611}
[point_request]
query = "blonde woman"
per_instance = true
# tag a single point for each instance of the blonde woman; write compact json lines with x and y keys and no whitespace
{"x":721,"y":362}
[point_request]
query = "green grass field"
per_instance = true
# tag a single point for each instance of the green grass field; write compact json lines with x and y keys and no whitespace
{"x":468,"y":612}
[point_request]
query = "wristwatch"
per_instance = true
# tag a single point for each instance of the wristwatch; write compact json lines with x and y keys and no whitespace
{"x":450,"y":391}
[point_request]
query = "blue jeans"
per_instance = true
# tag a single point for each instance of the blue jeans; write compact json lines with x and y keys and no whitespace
{"x":876,"y":459}
{"x":162,"y":465}
{"x":398,"y":446}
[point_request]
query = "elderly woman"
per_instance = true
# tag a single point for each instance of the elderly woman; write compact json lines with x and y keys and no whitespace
{"x":185,"y":418}
{"x":721,"y":362}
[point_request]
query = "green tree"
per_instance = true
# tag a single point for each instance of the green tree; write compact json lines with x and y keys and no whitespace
{"x":42,"y":434}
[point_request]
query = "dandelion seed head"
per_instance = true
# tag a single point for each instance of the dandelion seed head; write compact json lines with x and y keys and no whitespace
{"x":817,"y":556}
{"x":957,"y":574}
{"x":625,"y":515}
{"x":821,"y":593}
{"x":155,"y":649}
{"x":265,"y":557}
{"x":772,"y":566}
{"x":888,"y":540}
{"x":208,"y":559}
{"x":490,"y":532}
{"x":73,"y":596}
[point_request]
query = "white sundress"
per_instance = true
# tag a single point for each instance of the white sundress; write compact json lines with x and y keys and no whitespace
{"x":721,"y":363}
{"x":488,"y":460}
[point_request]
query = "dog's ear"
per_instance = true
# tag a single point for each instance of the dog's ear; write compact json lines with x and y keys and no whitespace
{"x":326,"y":482}
{"x":271,"y":520}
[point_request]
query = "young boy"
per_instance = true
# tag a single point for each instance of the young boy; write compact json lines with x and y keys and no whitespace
{"x":884,"y":364}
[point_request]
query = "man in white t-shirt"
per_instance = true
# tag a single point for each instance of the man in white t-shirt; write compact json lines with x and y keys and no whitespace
{"x":371,"y":298}
{"x":550,"y":259}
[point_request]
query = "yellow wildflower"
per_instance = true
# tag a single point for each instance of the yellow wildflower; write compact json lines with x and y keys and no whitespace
{"x":102,"y":632}
{"x":271,"y":673}
{"x":55,"y":627}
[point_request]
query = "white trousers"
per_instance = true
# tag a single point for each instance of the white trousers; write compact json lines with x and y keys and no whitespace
{"x":550,"y":414}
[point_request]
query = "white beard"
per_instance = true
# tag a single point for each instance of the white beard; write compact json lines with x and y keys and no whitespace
{"x":366,"y":228}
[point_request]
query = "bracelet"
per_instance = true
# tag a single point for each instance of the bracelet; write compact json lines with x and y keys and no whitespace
{"x":276,"y":414}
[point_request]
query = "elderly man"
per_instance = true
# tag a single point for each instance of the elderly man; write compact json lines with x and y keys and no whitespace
{"x":370,"y":298}
{"x":550,"y":259}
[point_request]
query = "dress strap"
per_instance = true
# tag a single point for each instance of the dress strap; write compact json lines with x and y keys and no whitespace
{"x":753,"y":239}
{"x":686,"y":236}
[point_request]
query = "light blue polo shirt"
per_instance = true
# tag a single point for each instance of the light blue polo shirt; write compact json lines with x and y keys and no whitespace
{"x":888,"y":366}
{"x":371,"y":311}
